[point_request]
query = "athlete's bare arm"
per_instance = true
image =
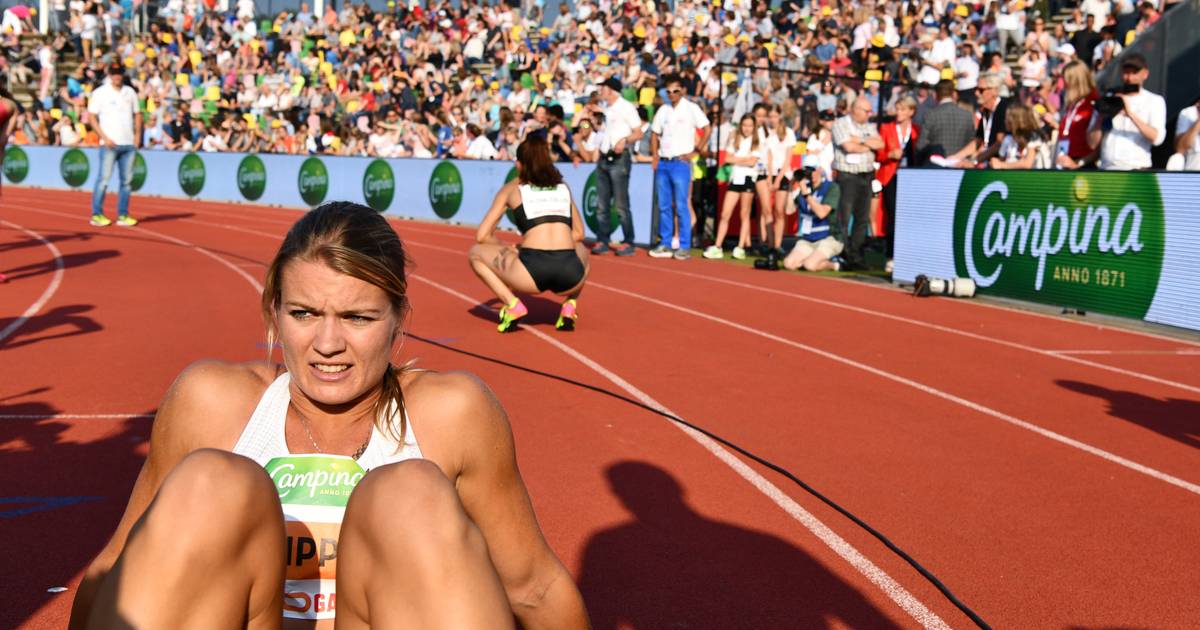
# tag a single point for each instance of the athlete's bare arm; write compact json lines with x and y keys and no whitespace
{"x":207,"y":406}
{"x":577,"y":233}
{"x":487,"y":228}
{"x":465,"y":431}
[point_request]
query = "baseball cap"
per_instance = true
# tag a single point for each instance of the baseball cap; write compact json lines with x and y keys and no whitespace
{"x":879,"y":41}
{"x":612,"y":83}
{"x":1065,"y":49}
{"x":1134,"y":60}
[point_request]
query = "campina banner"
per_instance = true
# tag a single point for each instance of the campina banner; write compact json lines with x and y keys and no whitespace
{"x":458,"y":191}
{"x":1124,"y":243}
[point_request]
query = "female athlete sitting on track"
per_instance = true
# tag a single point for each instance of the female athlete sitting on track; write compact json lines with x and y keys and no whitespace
{"x":551,"y":256}
{"x":439,"y":533}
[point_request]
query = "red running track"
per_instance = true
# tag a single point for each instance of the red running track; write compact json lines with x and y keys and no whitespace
{"x":1045,"y":469}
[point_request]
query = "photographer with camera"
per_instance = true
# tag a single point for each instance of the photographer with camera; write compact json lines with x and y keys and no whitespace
{"x":1129,"y":120}
{"x":623,"y":129}
{"x":816,"y":197}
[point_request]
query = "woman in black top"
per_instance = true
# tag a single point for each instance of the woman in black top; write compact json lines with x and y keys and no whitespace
{"x":551,"y":256}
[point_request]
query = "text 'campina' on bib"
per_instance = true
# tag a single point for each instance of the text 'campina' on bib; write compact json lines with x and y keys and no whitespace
{"x":313,"y":490}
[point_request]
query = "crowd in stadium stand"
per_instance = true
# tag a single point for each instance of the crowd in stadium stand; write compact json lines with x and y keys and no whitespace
{"x":470,"y":81}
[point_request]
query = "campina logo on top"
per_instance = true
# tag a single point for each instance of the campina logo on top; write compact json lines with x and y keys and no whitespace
{"x":445,"y":189}
{"x":191,"y":174}
{"x":1093,"y":240}
{"x":591,"y":203}
{"x":313,"y":181}
{"x":251,"y":177}
{"x":74,"y":168}
{"x":379,"y":185}
{"x":139,"y":172}
{"x":16,"y":164}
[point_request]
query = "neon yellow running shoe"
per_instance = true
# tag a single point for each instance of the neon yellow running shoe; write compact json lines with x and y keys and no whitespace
{"x":510,"y":314}
{"x":126,"y":221}
{"x":99,"y":220}
{"x":567,"y":316}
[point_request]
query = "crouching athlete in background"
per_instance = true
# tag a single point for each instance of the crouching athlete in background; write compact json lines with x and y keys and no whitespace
{"x":336,"y":486}
{"x":551,"y":256}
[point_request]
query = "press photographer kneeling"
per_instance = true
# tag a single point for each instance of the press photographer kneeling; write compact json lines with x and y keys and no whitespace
{"x":1130,"y":119}
{"x":816,"y":198}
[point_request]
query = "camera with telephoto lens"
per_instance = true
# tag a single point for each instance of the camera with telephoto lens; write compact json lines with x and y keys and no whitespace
{"x":1111,"y":103}
{"x":770,"y":262}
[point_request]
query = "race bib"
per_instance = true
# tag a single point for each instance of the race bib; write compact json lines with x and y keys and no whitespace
{"x":854,"y":158}
{"x":313,"y":490}
{"x":806,"y":224}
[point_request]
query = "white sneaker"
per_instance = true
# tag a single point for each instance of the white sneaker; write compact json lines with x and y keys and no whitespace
{"x":675,"y":242}
{"x":660,"y":251}
{"x":889,"y":266}
{"x":739,"y":253}
{"x":713,"y":252}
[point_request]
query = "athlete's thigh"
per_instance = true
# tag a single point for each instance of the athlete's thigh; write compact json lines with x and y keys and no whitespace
{"x":507,"y":264}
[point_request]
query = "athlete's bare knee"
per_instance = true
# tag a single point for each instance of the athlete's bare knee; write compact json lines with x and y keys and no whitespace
{"x":209,"y":479}
{"x":414,"y":495}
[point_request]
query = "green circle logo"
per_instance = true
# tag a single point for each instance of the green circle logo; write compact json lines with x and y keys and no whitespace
{"x":191,"y":174}
{"x":16,"y":164}
{"x":379,"y":185}
{"x":313,"y":181}
{"x":139,"y":172}
{"x":445,"y":189}
{"x":74,"y":168}
{"x":251,"y":177}
{"x":591,"y":201}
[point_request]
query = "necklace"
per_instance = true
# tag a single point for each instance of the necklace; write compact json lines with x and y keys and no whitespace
{"x":304,"y":423}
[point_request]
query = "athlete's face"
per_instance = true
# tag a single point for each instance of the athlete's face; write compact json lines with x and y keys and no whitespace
{"x":337,"y":332}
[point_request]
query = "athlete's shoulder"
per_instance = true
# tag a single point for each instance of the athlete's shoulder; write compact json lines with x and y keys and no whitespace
{"x":455,"y":393}
{"x":210,"y":401}
{"x":456,"y":416}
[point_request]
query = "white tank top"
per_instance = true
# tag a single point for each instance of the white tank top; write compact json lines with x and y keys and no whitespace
{"x":313,"y":489}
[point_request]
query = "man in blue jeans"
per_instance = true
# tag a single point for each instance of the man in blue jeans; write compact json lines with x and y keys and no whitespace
{"x":623,"y":127}
{"x":113,"y":111}
{"x":673,"y":145}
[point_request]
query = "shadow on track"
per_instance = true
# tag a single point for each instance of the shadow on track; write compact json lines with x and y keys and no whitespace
{"x":541,"y":310}
{"x":671,"y":567}
{"x":1176,"y":418}
{"x":69,"y":261}
{"x":59,"y":322}
{"x":65,"y":484}
{"x":158,"y":218}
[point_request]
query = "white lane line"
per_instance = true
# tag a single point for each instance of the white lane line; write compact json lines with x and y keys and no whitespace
{"x":166,"y":237}
{"x":1063,"y":355}
{"x":236,"y":269}
{"x":839,"y":545}
{"x":1057,"y":437}
{"x":76,"y":416}
{"x":50,"y":290}
{"x":1177,"y":351}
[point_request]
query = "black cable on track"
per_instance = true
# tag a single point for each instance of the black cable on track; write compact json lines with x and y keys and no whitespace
{"x":779,"y":469}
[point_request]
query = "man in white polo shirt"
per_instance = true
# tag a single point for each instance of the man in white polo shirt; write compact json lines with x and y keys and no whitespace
{"x":673,"y":145}
{"x":113,"y":111}
{"x":1141,"y":124}
{"x":623,"y":128}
